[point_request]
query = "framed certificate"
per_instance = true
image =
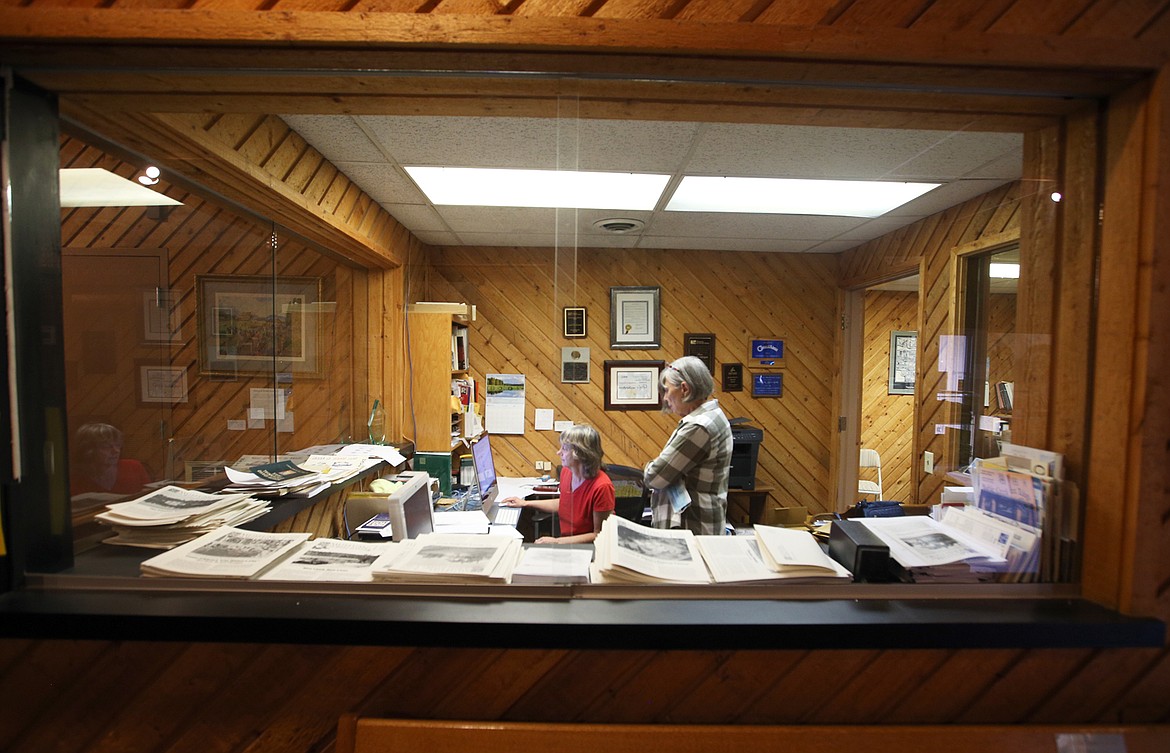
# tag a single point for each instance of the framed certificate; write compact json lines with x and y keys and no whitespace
{"x":633,"y":317}
{"x":633,"y":385}
{"x":574,"y":321}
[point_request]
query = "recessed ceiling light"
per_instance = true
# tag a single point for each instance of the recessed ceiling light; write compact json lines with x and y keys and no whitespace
{"x":840,"y":198}
{"x":1004,"y":271}
{"x":496,"y":187}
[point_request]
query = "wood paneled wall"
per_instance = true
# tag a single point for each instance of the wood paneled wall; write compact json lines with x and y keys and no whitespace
{"x":519,"y":293}
{"x":887,"y":421}
{"x":201,"y":238}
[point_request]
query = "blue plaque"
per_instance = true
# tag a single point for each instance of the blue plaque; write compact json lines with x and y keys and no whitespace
{"x":767,"y":385}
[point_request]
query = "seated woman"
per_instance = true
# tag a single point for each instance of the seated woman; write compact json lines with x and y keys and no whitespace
{"x":587,"y":496}
{"x":98,"y":464}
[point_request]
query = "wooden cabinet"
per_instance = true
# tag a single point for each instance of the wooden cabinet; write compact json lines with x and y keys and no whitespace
{"x":439,"y":350}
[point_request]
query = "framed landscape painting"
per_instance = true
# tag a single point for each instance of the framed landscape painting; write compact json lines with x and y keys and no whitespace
{"x":259,"y":325}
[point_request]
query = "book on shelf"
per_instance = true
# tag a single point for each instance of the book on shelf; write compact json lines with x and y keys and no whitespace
{"x":224,"y":553}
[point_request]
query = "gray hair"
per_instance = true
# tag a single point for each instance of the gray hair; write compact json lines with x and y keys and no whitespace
{"x":584,"y":445}
{"x":691,"y":371}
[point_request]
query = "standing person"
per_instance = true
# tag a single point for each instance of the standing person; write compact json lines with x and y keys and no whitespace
{"x":99,"y":465}
{"x":586,"y":491}
{"x":696,"y":458}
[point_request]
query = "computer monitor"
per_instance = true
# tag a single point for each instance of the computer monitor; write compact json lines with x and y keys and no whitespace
{"x":410,"y":507}
{"x":484,"y":464}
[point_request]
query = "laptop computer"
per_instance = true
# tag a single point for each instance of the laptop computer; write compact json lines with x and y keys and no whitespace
{"x":489,"y":488}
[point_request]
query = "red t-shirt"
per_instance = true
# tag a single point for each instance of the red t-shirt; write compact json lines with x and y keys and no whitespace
{"x":578,"y":505}
{"x":132,"y":476}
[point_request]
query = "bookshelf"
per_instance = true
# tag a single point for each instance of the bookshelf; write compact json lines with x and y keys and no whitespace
{"x":440,"y":355}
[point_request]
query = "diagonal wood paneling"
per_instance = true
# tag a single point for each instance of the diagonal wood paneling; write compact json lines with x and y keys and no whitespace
{"x":887,"y":421}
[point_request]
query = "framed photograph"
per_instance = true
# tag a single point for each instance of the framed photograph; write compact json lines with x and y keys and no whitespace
{"x":160,"y":316}
{"x":903,"y":362}
{"x":766,"y":351}
{"x":258,"y":325}
{"x":633,"y":317}
{"x":575,"y":319}
{"x":161,"y":384}
{"x":768,"y":384}
{"x":633,"y":385}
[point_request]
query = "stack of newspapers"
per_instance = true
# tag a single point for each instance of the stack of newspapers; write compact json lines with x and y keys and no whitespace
{"x":928,"y":551}
{"x":627,"y":552}
{"x":172,"y":515}
{"x":225,"y":553}
{"x":450,"y":558}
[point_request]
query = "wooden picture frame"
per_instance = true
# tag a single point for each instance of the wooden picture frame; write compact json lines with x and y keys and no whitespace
{"x":766,"y":352}
{"x":160,"y":384}
{"x":633,"y":385}
{"x":903,"y":362}
{"x":634,"y":320}
{"x":259,"y":325}
{"x":575,"y":320}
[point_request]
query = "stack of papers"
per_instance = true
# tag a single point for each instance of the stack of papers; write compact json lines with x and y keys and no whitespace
{"x":930,"y":552}
{"x":330,"y":560}
{"x":316,"y":473}
{"x":173,"y":515}
{"x":442,"y":558}
{"x":773,"y":554}
{"x":224,"y":553}
{"x":553,"y":566}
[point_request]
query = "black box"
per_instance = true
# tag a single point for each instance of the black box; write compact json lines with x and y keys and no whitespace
{"x":861,"y":552}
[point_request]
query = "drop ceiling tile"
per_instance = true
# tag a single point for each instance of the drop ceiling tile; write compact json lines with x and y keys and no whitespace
{"x":519,"y":240}
{"x":337,"y":137}
{"x":417,"y":217}
{"x":769,"y":245}
{"x":499,"y":219}
{"x":943,"y":197}
{"x":962,"y":154}
{"x":466,"y":141}
{"x":699,"y":224}
{"x":439,"y":239}
{"x":383,"y":182}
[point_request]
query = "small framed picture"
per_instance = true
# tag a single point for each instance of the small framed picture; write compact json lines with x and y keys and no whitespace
{"x":633,"y":385}
{"x":575,"y":365}
{"x":575,"y":321}
{"x":162,"y":384}
{"x":903,"y":362}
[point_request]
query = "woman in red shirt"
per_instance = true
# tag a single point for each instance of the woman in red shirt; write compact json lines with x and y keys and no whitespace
{"x":587,"y":496}
{"x":99,"y":466}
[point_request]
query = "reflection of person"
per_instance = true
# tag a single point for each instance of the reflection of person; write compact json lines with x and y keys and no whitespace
{"x":99,"y":466}
{"x":697,"y":455}
{"x":587,"y":496}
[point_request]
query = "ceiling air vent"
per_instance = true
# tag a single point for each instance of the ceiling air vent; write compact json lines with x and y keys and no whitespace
{"x":619,"y":225}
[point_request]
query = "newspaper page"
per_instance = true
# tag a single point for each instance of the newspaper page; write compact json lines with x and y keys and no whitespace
{"x":735,"y":559}
{"x":1012,"y":494}
{"x":649,"y":554}
{"x":451,"y":558}
{"x":330,"y":560}
{"x":224,"y":553}
{"x":553,"y":565}
{"x":919,"y":541}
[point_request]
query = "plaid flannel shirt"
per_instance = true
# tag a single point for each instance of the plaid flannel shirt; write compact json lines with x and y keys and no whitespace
{"x":698,"y":454}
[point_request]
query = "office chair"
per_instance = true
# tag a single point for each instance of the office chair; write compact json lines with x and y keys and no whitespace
{"x":870,"y":459}
{"x":631,"y":498}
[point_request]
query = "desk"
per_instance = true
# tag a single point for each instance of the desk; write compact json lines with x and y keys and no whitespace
{"x":747,"y":506}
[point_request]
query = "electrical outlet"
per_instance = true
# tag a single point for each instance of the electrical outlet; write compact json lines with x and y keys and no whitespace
{"x":928,"y":462}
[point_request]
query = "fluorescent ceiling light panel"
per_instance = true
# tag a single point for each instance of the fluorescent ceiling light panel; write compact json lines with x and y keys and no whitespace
{"x":96,"y":187}
{"x":1004,"y":271}
{"x":839,"y":198}
{"x":493,"y":187}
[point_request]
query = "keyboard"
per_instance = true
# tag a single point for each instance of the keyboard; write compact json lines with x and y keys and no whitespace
{"x":507,"y":516}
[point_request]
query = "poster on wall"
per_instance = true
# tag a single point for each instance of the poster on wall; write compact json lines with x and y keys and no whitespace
{"x":504,"y":404}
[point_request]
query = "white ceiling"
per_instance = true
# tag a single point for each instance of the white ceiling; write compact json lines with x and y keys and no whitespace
{"x":372,"y":149}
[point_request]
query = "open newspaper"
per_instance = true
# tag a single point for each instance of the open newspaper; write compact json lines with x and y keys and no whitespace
{"x":738,"y":559}
{"x":795,"y":554}
{"x":450,"y":558}
{"x":626,"y":552}
{"x":225,"y":553}
{"x":553,"y":565}
{"x":332,"y":560}
{"x":928,"y":551}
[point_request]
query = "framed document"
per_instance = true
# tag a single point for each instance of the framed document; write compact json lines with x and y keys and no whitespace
{"x":733,"y":377}
{"x":903,"y":362}
{"x":633,"y":385}
{"x":574,"y":320}
{"x":575,"y":365}
{"x":633,"y":317}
